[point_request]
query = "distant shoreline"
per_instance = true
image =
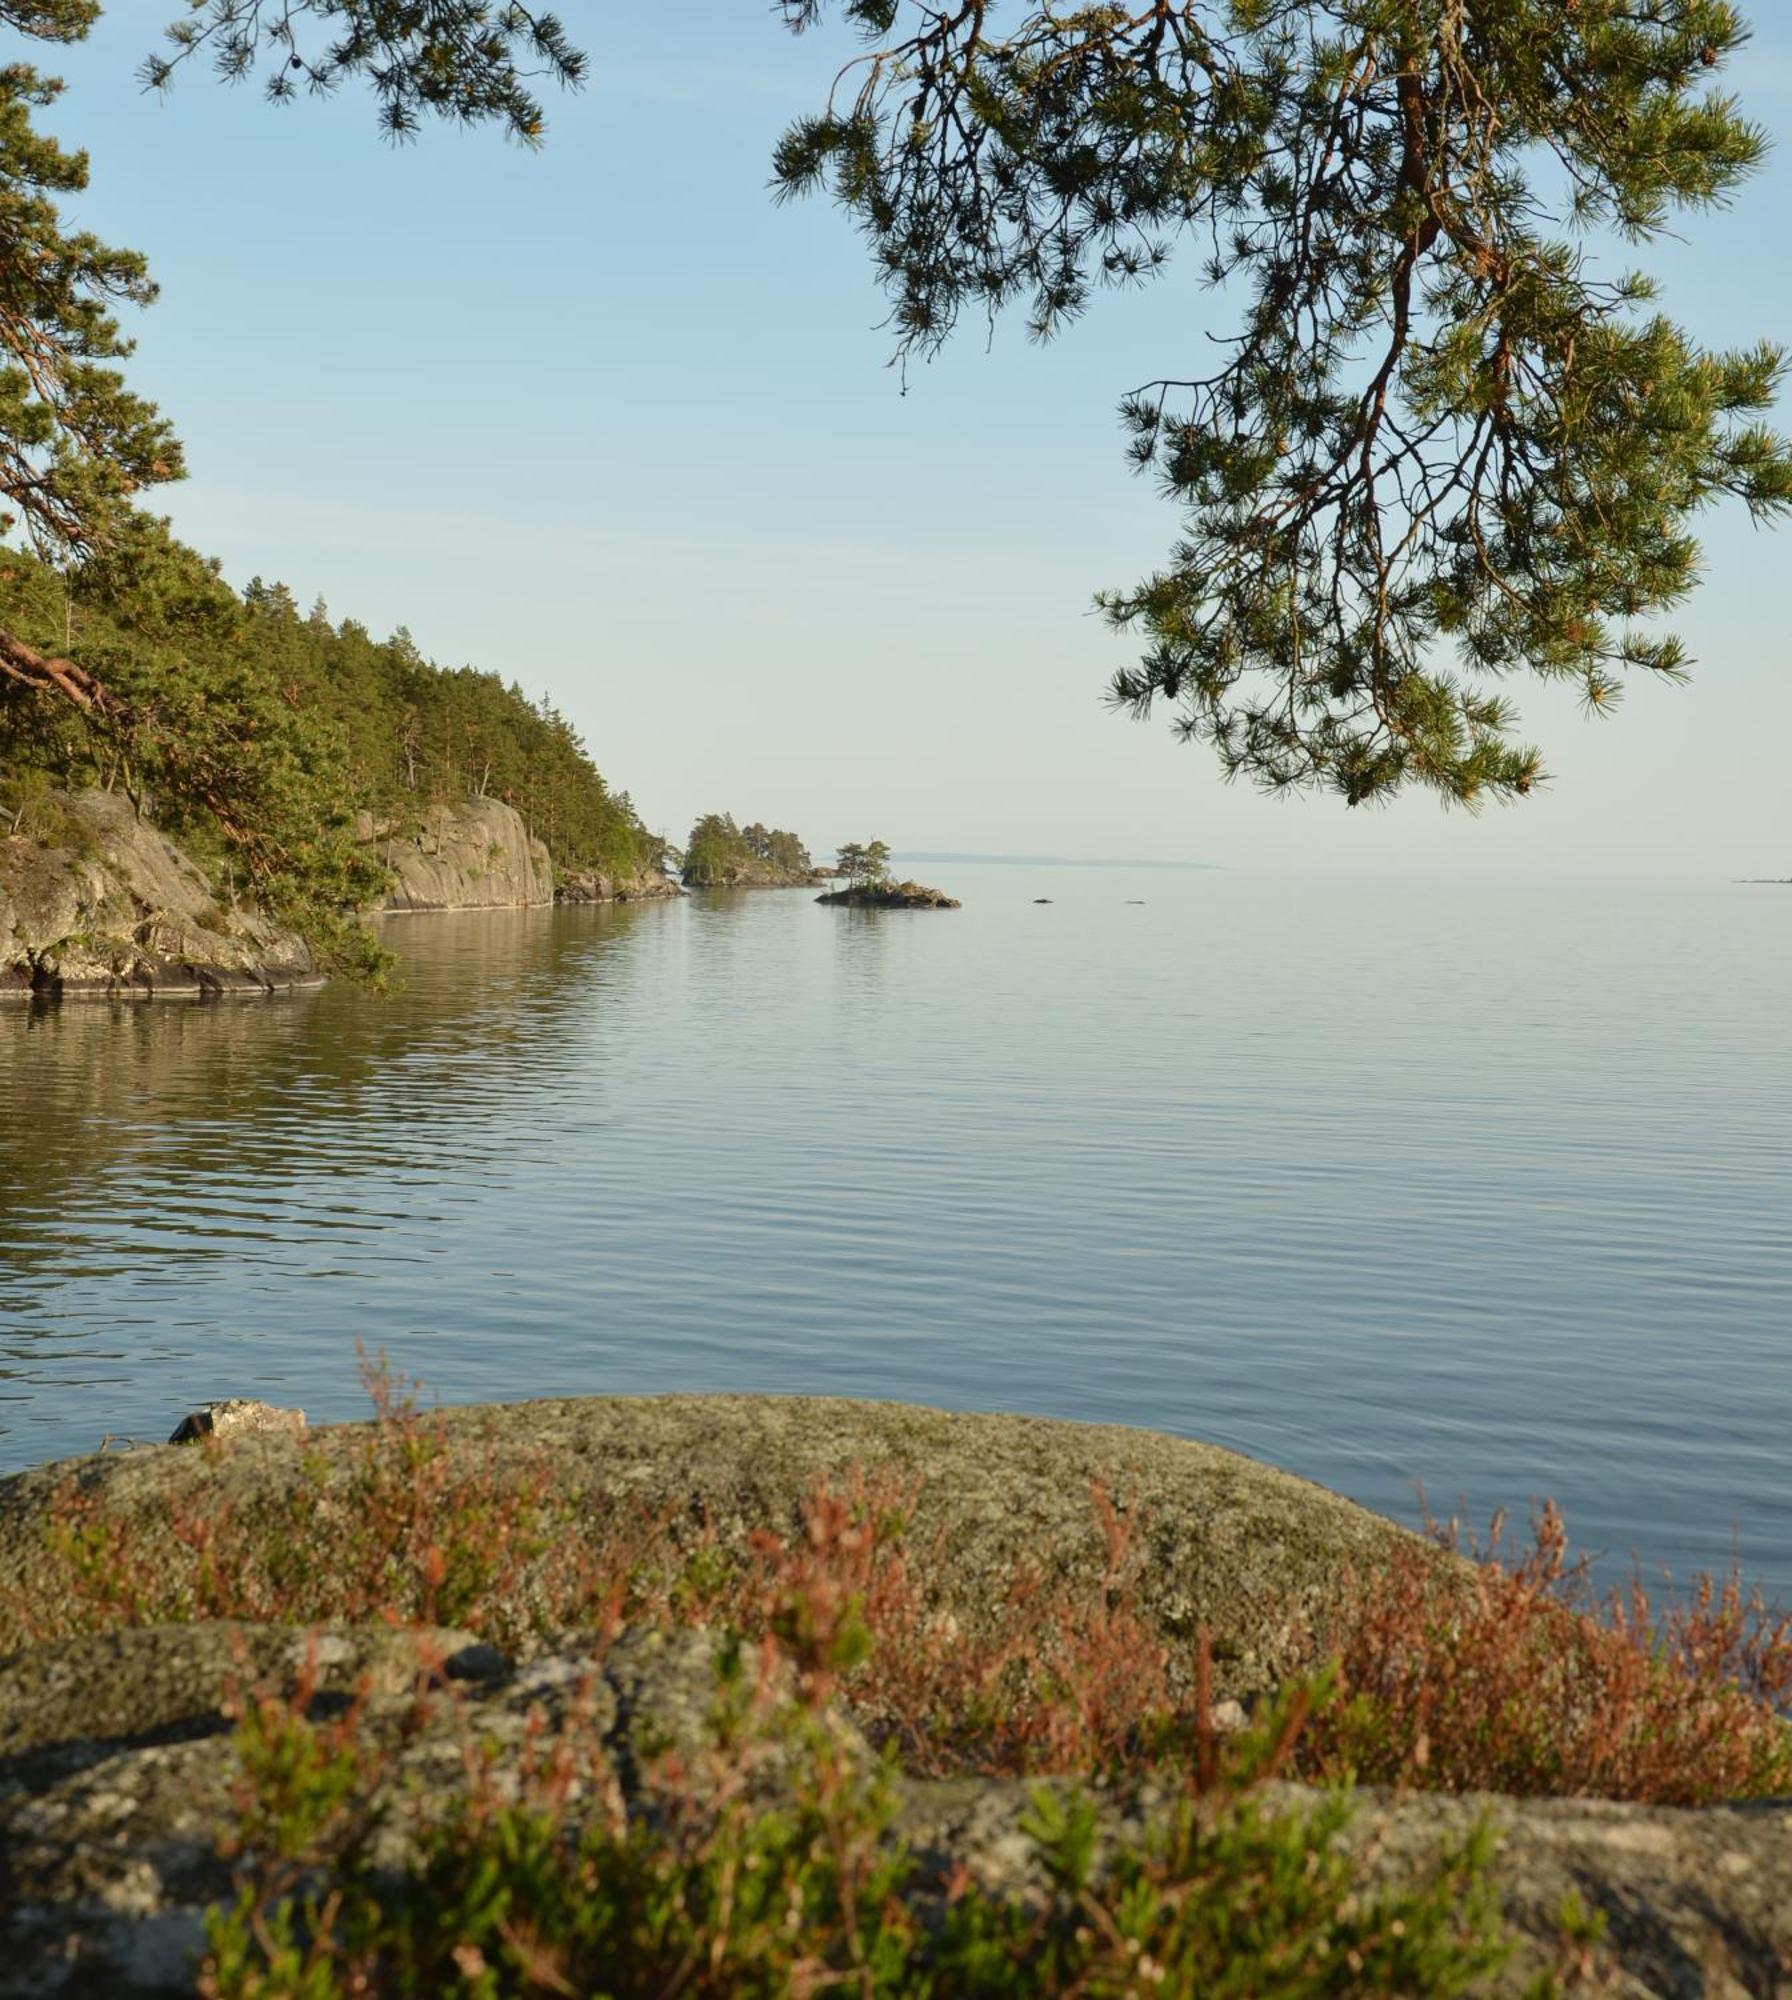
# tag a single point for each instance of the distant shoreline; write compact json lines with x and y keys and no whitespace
{"x":1050,"y":860}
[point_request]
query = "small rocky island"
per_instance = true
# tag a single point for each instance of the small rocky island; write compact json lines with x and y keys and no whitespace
{"x":718,"y":854}
{"x":890,"y":896}
{"x":869,"y":885}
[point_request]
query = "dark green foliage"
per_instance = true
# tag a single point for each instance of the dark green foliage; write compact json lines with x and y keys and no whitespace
{"x":713,"y":1891}
{"x":1442,"y":445}
{"x":413,"y":731}
{"x":1448,"y":441}
{"x":198,"y":727}
{"x":1242,"y":1903}
{"x":461,"y":59}
{"x":253,"y":734}
{"x":777,"y":848}
{"x":75,"y":444}
{"x":863,"y":863}
{"x":719,"y":854}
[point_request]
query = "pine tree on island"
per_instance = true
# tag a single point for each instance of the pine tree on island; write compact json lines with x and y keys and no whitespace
{"x":865,"y":867}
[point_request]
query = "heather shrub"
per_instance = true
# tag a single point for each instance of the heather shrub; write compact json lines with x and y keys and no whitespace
{"x":1509,"y":1672}
{"x":1518,"y":1675}
{"x":546,"y":1883}
{"x":411,"y":1535}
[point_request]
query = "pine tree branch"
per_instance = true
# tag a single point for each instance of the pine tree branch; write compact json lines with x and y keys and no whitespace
{"x":63,"y":678}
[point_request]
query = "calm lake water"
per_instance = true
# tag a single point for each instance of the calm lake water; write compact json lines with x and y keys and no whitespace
{"x":1485,"y":1189}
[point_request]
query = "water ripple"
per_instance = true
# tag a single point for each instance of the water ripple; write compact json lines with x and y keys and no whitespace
{"x":1489,"y":1192}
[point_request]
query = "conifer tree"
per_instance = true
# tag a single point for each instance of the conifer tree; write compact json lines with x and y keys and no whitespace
{"x":75,"y":442}
{"x":1447,"y":437}
{"x":467,"y":60}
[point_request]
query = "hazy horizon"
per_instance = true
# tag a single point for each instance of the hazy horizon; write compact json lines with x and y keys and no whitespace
{"x":1050,"y":860}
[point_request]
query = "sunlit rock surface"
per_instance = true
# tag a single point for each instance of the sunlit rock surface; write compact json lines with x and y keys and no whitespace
{"x":105,"y":903}
{"x":478,"y":854}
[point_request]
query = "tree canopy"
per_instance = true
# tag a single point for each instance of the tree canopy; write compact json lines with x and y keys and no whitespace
{"x":720,"y":855}
{"x":863,"y":863}
{"x":462,"y":59}
{"x":77,"y":446}
{"x":125,"y":660}
{"x":1448,"y":438}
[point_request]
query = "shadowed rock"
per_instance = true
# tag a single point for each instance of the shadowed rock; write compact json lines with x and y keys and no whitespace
{"x":109,"y":1844}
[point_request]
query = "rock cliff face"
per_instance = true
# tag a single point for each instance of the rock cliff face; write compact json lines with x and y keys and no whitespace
{"x":477,"y":854}
{"x":472,"y":854}
{"x":95,"y":900}
{"x":102,"y":902}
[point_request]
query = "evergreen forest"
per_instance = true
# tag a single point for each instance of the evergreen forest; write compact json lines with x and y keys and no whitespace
{"x":252,"y":732}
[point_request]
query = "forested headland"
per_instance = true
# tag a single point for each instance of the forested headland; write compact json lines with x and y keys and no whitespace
{"x":252,"y":732}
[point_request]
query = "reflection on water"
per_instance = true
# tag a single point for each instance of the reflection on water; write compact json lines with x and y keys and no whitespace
{"x":157,"y":1158}
{"x":1493,"y":1192}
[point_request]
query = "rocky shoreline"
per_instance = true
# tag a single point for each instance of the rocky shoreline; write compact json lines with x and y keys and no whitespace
{"x":478,"y":854}
{"x":117,"y":1764}
{"x":755,"y":874}
{"x":110,"y":908}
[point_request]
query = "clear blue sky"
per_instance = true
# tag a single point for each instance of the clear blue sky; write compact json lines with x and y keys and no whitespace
{"x":606,"y":420}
